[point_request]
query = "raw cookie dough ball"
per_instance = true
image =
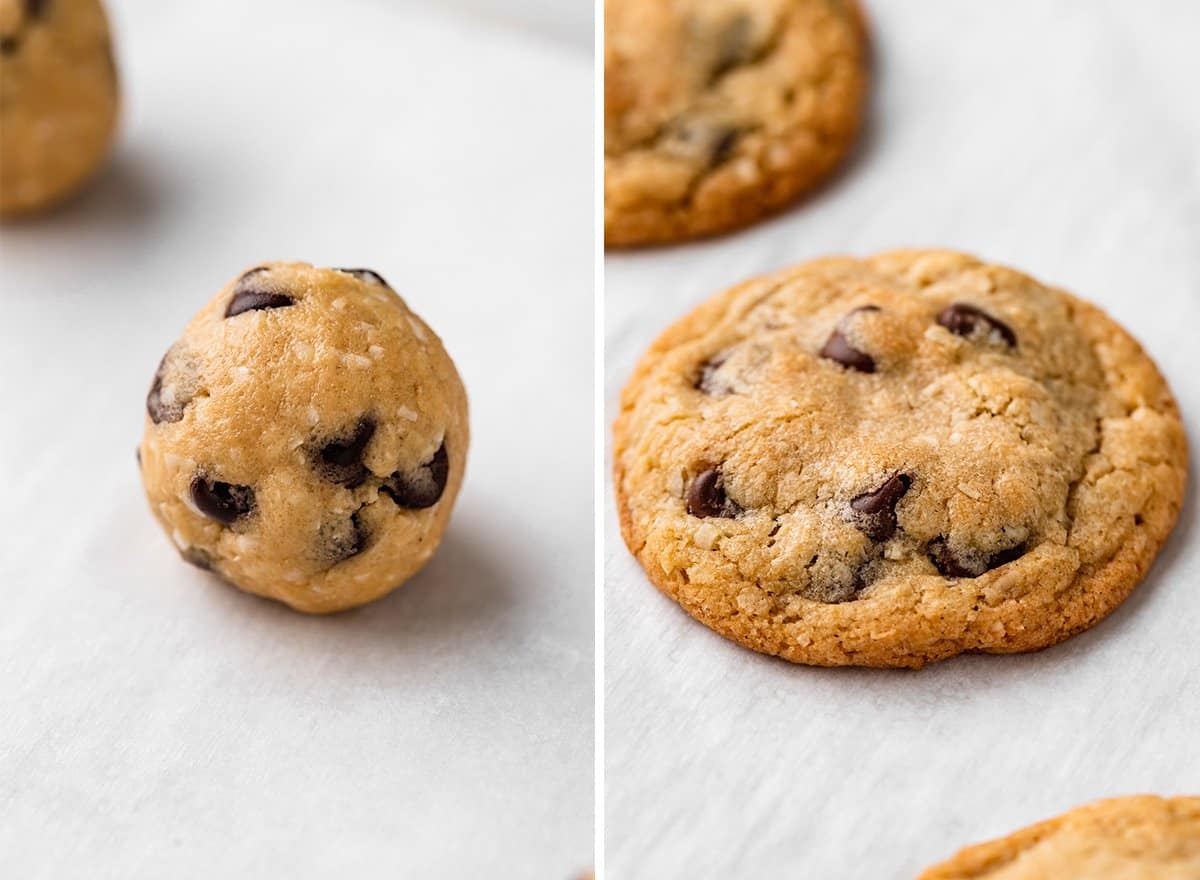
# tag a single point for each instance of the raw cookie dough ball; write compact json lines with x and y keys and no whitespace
{"x":58,"y":100}
{"x":306,"y":437}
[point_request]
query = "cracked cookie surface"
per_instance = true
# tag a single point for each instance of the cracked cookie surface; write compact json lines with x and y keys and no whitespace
{"x":889,"y":461}
{"x":719,"y":112}
{"x":1130,"y":838}
{"x":306,"y":437}
{"x":58,"y":100}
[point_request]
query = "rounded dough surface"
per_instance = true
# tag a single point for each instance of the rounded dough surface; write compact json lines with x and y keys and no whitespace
{"x":889,"y":461}
{"x":58,"y":100}
{"x":306,"y":437}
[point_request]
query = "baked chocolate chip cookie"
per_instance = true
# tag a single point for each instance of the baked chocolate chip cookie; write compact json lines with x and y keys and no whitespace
{"x":719,"y":112}
{"x":306,"y":437}
{"x":889,"y":461}
{"x":1131,"y":838}
{"x":58,"y":100}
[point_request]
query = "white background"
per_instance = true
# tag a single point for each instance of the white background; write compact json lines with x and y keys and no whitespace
{"x":156,"y":723}
{"x":1059,"y":137}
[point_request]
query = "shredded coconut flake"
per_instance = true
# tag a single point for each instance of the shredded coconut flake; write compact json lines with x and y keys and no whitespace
{"x":707,"y":536}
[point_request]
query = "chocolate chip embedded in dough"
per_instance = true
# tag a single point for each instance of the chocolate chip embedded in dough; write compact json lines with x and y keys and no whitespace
{"x":341,"y":461}
{"x":957,"y":565}
{"x":344,"y":539}
{"x":706,"y":496}
{"x":224,"y":502}
{"x":702,"y":140}
{"x":735,"y":46}
{"x":202,"y":559}
{"x":253,"y":293}
{"x":368,"y":275}
{"x":964,"y":319}
{"x":706,"y":380}
{"x":255,"y":300}
{"x":838,"y":348}
{"x":874,"y":513}
{"x":172,"y":389}
{"x":423,"y":486}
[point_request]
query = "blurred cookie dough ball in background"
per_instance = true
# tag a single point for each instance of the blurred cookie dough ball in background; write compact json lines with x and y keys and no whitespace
{"x":306,"y":437}
{"x":58,"y":100}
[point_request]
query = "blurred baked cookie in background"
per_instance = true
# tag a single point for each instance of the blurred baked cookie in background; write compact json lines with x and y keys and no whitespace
{"x":892,"y":460}
{"x":58,"y":100}
{"x":719,"y":112}
{"x":1130,"y":838}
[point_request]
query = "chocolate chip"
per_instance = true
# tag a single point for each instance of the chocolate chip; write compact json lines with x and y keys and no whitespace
{"x":368,"y":275}
{"x":875,"y":512}
{"x":224,"y":502}
{"x":36,"y":8}
{"x":9,"y":45}
{"x":702,"y":140}
{"x":839,"y":349}
{"x":344,"y":539}
{"x":834,"y":592}
{"x":722,"y":147}
{"x":735,"y":46}
{"x":250,"y":294}
{"x":946,"y":562}
{"x":1012,"y":554}
{"x":951,"y":564}
{"x":154,"y":405}
{"x":423,"y":487}
{"x":706,"y":380}
{"x":254,"y":299}
{"x":964,"y":319}
{"x":706,"y":496}
{"x":341,"y":461}
{"x":167,"y":407}
{"x":202,"y":559}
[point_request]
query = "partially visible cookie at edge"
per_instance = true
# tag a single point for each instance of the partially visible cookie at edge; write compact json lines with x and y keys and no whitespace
{"x":721,"y":112}
{"x":1130,"y":838}
{"x":893,"y":460}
